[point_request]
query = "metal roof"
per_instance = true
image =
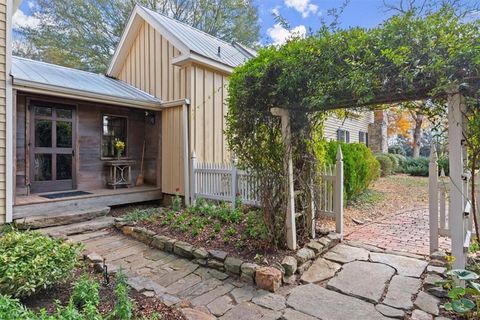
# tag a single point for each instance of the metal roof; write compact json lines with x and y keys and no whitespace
{"x":28,"y":73}
{"x":203,"y":43}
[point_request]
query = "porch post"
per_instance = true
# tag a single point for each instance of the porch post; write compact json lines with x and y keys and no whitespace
{"x":186,"y":153}
{"x":456,"y":205}
{"x":290,"y":221}
{"x":433,"y":199}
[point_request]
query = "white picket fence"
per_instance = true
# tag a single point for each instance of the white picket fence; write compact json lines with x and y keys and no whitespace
{"x":326,"y":191}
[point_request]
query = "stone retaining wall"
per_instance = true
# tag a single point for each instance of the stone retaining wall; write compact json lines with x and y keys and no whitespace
{"x":266,"y":277}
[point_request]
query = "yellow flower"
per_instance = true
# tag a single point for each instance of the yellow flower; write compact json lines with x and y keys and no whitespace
{"x":119,"y":144}
{"x":450,"y":258}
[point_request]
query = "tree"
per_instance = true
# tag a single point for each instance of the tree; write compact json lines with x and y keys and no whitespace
{"x":83,"y":34}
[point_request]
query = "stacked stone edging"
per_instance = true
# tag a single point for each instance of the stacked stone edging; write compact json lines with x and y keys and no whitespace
{"x":265,"y":277}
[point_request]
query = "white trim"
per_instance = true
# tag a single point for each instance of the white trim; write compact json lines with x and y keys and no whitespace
{"x":174,"y":103}
{"x":39,"y":88}
{"x":9,"y":187}
{"x":186,"y":154}
{"x":130,"y":33}
{"x":199,"y":59}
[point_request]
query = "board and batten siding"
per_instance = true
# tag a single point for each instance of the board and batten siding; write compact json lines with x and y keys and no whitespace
{"x":3,"y":107}
{"x":353,"y":125}
{"x":148,"y":67}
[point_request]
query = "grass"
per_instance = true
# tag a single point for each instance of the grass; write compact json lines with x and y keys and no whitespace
{"x":368,"y":199}
{"x":410,"y":181}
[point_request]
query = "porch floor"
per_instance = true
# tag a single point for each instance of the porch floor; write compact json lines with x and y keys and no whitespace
{"x":36,"y":205}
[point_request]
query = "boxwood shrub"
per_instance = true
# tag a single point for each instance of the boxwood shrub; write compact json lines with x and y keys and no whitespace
{"x":30,"y":261}
{"x":386,"y":164}
{"x":360,"y":166}
{"x":417,"y":166}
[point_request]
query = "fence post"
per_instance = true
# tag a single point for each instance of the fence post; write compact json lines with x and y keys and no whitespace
{"x":193,"y":186}
{"x":234,"y":181}
{"x":443,"y":200}
{"x":339,"y":193}
{"x":433,"y":199}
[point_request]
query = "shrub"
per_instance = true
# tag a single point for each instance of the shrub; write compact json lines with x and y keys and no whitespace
{"x":85,"y":293}
{"x":12,"y":309}
{"x":443,"y":163}
{"x":395,"y":163}
{"x":386,"y":164}
{"x":360,"y":166}
{"x":417,"y":166}
{"x":30,"y":261}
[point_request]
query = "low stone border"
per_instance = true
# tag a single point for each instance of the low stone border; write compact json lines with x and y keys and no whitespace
{"x":265,"y":277}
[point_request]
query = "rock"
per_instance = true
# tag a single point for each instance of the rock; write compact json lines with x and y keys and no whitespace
{"x":437,"y":270}
{"x":163,"y":243}
{"x":291,"y":314}
{"x":431,"y":280}
{"x":271,"y":301}
{"x":319,"y":302}
{"x":218,"y":274}
{"x":289,"y":264}
{"x":344,"y":254}
{"x":317,"y":247}
{"x":183,"y":249}
{"x":442,"y":318}
{"x":322,"y":231}
{"x":438,"y":263}
{"x":127,"y":230}
{"x":243,"y":294}
{"x":233,"y":265}
{"x":202,"y":262}
{"x":145,"y":284}
{"x":219,"y":306}
{"x":421,"y":315}
{"x":194,"y":314}
{"x":210,"y":296}
{"x":390,"y":312}
{"x":250,"y":311}
{"x":358,"y":221}
{"x":320,"y":270}
{"x":362,"y":279}
{"x":248,"y":272}
{"x":289,"y":279}
{"x":215,"y":264}
{"x":405,"y":266}
{"x":218,"y":255}
{"x":438,"y":255}
{"x":268,"y":278}
{"x":94,"y":257}
{"x":200,"y":253}
{"x":401,"y":291}
{"x":304,"y":267}
{"x":143,"y":235}
{"x":427,"y":303}
{"x":438,"y":292}
{"x":325,"y":241}
{"x":304,"y":254}
{"x":335,"y":237}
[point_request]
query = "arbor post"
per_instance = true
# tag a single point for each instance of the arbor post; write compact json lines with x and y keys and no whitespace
{"x":287,"y":140}
{"x":456,"y":206}
{"x":433,"y":199}
{"x":339,"y":193}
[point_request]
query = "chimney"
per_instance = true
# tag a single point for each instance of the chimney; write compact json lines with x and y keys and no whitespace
{"x":377,"y":132}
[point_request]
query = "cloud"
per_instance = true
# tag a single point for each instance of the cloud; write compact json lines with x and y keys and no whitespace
{"x":21,"y":20}
{"x":31,"y":4}
{"x":280,"y":35}
{"x":305,"y":7}
{"x":276,"y":10}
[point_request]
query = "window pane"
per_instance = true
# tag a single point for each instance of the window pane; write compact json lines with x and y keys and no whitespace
{"x":64,"y":166}
{"x":43,"y":133}
{"x":43,"y":167}
{"x":64,"y":134}
{"x":113,"y":128}
{"x":64,"y":113}
{"x":43,"y":111}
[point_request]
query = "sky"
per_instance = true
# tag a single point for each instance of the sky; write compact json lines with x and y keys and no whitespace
{"x":303,"y":16}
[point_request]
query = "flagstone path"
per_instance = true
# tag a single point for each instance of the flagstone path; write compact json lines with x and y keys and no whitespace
{"x":347,"y":283}
{"x":406,"y":231}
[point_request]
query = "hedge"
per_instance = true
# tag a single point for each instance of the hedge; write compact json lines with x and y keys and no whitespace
{"x":386,"y":164}
{"x":360,"y":166}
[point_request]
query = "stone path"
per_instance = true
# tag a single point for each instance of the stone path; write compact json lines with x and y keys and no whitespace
{"x":347,"y":283}
{"x":401,"y":231}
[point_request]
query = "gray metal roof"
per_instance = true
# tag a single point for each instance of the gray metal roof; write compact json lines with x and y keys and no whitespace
{"x":203,"y":43}
{"x":41,"y":73}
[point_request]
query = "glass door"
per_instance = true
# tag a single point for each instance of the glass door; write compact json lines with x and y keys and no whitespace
{"x":52,"y":143}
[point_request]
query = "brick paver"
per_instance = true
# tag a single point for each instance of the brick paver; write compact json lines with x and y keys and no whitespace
{"x":402,"y":231}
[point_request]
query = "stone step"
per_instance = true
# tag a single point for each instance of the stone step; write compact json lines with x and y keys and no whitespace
{"x":81,"y":227}
{"x":60,"y":219}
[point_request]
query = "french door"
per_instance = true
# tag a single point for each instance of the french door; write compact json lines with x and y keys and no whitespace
{"x":52,"y":147}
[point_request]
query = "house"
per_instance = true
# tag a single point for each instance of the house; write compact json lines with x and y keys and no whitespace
{"x":163,"y":95}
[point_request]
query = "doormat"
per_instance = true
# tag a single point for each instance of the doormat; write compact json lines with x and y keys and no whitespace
{"x":64,"y":194}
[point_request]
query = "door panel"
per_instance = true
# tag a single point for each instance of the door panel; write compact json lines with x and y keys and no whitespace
{"x":53,"y":145}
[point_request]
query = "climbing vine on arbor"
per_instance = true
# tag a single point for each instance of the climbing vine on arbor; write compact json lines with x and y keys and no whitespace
{"x":408,"y":57}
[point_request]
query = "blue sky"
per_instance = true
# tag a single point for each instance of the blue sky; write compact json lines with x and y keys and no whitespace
{"x":302,"y":15}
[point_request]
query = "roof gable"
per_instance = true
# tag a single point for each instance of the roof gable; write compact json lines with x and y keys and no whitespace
{"x":193,"y":43}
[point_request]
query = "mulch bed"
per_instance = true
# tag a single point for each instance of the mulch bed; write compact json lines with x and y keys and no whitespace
{"x":144,"y":306}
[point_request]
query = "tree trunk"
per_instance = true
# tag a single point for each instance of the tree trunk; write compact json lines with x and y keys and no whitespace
{"x":417,"y":134}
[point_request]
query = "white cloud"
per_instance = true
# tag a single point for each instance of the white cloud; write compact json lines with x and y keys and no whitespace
{"x":305,"y":7}
{"x":276,"y":10}
{"x":20,"y":20}
{"x":31,"y":5}
{"x":280,"y":35}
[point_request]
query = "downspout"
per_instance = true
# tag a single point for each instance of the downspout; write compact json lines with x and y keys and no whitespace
{"x":186,"y":151}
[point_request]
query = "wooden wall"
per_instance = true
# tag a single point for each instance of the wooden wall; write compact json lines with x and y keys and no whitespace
{"x":353,"y":125}
{"x":148,"y":67}
{"x":3,"y":60}
{"x":91,"y":173}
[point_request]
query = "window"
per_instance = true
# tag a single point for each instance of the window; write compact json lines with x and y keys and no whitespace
{"x":343,"y":135}
{"x":363,"y":137}
{"x":114,"y":127}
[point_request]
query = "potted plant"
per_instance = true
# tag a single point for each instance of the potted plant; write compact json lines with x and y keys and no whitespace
{"x":119,"y":147}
